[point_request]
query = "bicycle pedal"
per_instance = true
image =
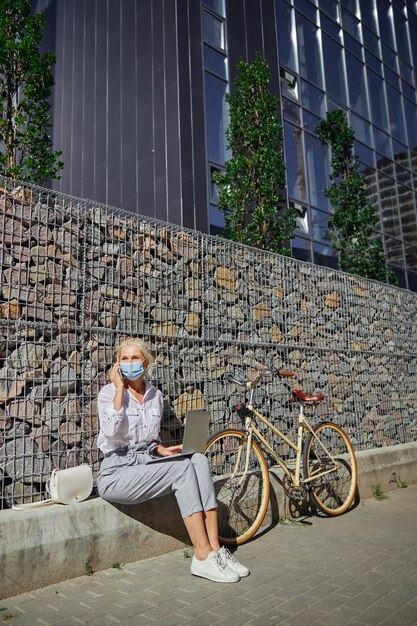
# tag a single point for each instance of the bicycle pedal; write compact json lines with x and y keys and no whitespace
{"x":295,"y":493}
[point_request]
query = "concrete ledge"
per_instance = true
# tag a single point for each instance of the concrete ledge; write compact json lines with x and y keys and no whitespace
{"x":375,"y":467}
{"x":43,"y":546}
{"x":39,"y":547}
{"x":378,"y":465}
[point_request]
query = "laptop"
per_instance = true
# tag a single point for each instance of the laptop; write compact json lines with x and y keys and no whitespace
{"x":195,"y":435}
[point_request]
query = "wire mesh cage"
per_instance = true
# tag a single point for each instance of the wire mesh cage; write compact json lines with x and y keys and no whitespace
{"x":78,"y":277}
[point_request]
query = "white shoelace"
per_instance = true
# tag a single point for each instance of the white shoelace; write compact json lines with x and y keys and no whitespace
{"x":229,"y":556}
{"x":220,"y":563}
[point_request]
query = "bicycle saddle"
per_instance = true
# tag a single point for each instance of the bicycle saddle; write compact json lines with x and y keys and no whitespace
{"x":300,"y":396}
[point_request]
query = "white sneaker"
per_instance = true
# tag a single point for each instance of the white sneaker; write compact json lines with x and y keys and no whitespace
{"x":232,"y":563}
{"x":214,"y":568}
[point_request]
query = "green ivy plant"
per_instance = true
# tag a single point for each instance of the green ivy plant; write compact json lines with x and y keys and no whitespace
{"x":351,"y":227}
{"x":25,"y":88}
{"x":249,"y":187}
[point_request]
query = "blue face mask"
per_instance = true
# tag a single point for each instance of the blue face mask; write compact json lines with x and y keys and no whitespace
{"x":132,"y":371}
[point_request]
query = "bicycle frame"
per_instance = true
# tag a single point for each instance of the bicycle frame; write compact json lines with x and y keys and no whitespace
{"x":303,"y":426}
{"x":316,"y":462}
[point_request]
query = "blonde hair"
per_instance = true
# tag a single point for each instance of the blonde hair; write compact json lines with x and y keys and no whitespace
{"x":136,"y":341}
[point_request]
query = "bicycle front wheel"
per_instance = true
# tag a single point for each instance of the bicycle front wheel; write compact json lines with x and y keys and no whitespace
{"x":329,"y":456}
{"x":241,"y":481}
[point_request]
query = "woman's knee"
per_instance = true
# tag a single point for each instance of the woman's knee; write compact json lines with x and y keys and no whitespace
{"x":201,"y":464}
{"x":200,"y":460}
{"x":184,"y":468}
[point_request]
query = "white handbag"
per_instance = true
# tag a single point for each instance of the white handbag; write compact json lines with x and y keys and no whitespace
{"x":65,"y":486}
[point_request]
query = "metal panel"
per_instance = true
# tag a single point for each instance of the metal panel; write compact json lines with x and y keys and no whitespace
{"x":88,"y":93}
{"x":114,"y":105}
{"x":128,"y":44}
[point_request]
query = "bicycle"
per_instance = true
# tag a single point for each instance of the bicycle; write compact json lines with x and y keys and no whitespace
{"x":240,"y":472}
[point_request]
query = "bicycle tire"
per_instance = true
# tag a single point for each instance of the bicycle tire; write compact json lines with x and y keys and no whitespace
{"x":333,"y":493}
{"x":241,"y":508}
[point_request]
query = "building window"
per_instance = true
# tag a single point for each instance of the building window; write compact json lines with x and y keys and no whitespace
{"x":313,"y":99}
{"x":300,"y":248}
{"x":371,"y":41}
{"x":216,"y":118}
{"x":215,"y":214}
{"x":287,"y":40}
{"x":408,"y":214}
{"x":389,"y":206}
{"x":334,"y":69}
{"x":320,"y":226}
{"x":317,"y":165}
{"x":362,"y":128}
{"x":217,"y":6}
{"x":385,"y":21}
{"x":215,"y":61}
{"x":294,"y":161}
{"x":357,"y":86}
{"x":396,"y":114}
{"x":382,"y":143}
{"x":309,"y":51}
{"x":331,"y":7}
{"x":216,"y":220}
{"x":378,"y":100}
{"x":325,"y":255}
{"x":213,"y":195}
{"x":216,"y":108}
{"x":411,"y":257}
{"x":291,"y":111}
{"x":412,"y":281}
{"x":213,"y":30}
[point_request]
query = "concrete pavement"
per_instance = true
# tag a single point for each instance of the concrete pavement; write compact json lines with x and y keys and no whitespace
{"x":360,"y":568}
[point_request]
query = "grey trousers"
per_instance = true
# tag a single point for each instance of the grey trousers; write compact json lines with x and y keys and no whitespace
{"x":128,"y":477}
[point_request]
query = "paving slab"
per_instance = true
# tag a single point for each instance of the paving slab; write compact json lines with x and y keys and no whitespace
{"x":360,"y":568}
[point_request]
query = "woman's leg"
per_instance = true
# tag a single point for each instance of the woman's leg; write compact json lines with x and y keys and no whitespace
{"x":134,"y":484}
{"x":197,"y":532}
{"x":212,"y":528}
{"x":201,"y":467}
{"x":208,"y":498}
{"x":131,"y":484}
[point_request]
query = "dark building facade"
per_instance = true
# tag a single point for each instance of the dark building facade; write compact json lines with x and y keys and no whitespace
{"x":139,"y":110}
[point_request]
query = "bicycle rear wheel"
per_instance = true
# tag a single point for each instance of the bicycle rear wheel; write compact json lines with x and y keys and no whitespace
{"x":332,"y":492}
{"x":242,"y":495}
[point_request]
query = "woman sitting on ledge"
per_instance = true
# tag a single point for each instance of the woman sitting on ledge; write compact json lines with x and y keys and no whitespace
{"x":130,"y":412}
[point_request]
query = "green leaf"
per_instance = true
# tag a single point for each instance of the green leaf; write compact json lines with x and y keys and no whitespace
{"x":25,"y":88}
{"x":249,"y":188}
{"x":351,"y":225}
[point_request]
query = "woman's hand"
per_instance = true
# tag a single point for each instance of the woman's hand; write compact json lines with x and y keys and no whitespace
{"x":168,"y":451}
{"x":116,"y":376}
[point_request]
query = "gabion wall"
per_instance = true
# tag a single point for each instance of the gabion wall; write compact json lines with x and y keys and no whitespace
{"x":78,"y":277}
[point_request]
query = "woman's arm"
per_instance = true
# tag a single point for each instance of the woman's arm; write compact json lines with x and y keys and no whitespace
{"x":117,"y":381}
{"x":167,"y":451}
{"x":111,"y":410}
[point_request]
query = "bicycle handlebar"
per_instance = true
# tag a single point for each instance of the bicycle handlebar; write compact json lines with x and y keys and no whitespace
{"x":267,"y":372}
